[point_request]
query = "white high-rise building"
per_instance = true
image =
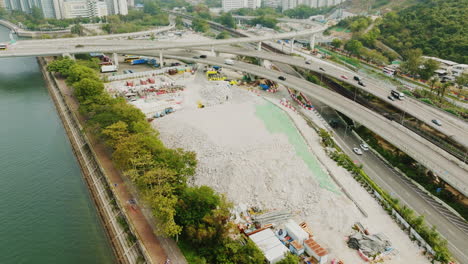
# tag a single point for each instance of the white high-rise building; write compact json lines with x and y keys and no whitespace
{"x":97,"y":8}
{"x":229,"y":5}
{"x":84,"y":8}
{"x":116,"y":7}
{"x":50,"y":8}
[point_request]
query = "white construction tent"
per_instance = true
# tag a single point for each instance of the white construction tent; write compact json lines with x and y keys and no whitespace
{"x":270,"y":245}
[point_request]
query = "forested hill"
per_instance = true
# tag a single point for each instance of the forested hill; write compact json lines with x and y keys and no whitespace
{"x":438,"y":27}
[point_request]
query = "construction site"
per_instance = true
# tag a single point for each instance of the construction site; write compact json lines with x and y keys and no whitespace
{"x":254,"y":145}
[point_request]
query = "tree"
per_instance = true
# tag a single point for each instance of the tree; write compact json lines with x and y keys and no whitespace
{"x":77,"y":29}
{"x":413,"y":61}
{"x":227,"y":20}
{"x":151,"y":7}
{"x":195,"y":203}
{"x":289,"y":259}
{"x":442,"y":89}
{"x":87,"y":88}
{"x":354,"y":46}
{"x":264,"y":20}
{"x":3,"y":12}
{"x":204,"y":215}
{"x":77,"y":72}
{"x":200,"y":25}
{"x":115,"y":133}
{"x":179,"y":22}
{"x":36,"y":13}
{"x":336,"y":43}
{"x":433,"y":81}
{"x":61,"y":66}
{"x":223,"y":35}
{"x":428,"y":68}
{"x":462,"y":80}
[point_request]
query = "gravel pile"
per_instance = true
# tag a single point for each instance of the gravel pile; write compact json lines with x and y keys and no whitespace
{"x":215,"y":94}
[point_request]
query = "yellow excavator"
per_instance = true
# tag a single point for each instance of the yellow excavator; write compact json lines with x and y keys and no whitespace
{"x":200,"y":104}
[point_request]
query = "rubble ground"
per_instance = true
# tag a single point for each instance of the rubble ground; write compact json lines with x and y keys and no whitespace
{"x":239,"y":154}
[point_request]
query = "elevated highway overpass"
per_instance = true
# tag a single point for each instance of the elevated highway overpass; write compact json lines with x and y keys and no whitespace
{"x":90,"y":44}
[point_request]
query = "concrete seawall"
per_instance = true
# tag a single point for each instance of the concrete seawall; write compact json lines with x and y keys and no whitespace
{"x":121,"y":233}
{"x":31,"y":34}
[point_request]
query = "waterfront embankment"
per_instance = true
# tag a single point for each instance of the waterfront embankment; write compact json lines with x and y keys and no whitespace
{"x":130,"y":233}
{"x":31,"y":34}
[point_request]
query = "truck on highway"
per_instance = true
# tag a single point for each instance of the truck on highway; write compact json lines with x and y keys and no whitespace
{"x":108,"y":68}
{"x":3,"y":46}
{"x":229,"y":62}
{"x":138,"y":61}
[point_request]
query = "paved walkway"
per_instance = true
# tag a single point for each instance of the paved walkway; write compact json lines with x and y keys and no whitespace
{"x":158,"y":248}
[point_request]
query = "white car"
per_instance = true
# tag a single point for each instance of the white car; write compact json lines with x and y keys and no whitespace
{"x":357,"y":151}
{"x":364,"y":146}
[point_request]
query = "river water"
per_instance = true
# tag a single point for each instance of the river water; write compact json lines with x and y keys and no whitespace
{"x":46,"y":213}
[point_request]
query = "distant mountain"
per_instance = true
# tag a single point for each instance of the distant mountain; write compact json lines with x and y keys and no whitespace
{"x":437,"y":27}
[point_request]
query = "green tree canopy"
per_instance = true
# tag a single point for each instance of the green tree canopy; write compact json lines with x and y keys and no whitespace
{"x":304,"y":11}
{"x":438,"y":27}
{"x":77,"y":72}
{"x":354,"y":46}
{"x":412,"y":62}
{"x":87,"y":88}
{"x":336,"y":43}
{"x":289,"y":259}
{"x":227,"y":20}
{"x":427,"y":69}
{"x":200,"y":25}
{"x":61,"y":66}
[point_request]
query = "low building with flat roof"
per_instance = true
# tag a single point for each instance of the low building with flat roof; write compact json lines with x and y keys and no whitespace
{"x":270,"y":245}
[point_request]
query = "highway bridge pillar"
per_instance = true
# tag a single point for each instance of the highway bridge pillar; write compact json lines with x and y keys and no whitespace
{"x":71,"y":56}
{"x":259,"y":46}
{"x":115,"y":59}
{"x":292,"y":45}
{"x":161,"y":63}
{"x":312,"y":42}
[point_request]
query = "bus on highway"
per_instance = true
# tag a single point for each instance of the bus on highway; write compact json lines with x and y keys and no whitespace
{"x":3,"y":46}
{"x":131,"y":58}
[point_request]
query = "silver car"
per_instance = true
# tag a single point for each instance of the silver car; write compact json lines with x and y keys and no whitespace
{"x":364,"y":146}
{"x":357,"y":151}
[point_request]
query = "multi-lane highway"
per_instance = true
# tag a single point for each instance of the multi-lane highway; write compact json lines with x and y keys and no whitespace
{"x":452,"y":126}
{"x":86,"y":45}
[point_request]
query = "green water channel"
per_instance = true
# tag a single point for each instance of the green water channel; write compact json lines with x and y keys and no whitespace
{"x":46,"y":214}
{"x":277,"y":121}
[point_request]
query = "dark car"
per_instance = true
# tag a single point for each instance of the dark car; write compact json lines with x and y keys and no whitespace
{"x":282,"y":78}
{"x":362,"y":84}
{"x":202,"y":56}
{"x":437,"y":122}
{"x":322,"y":69}
{"x":391,"y":98}
{"x":357,"y":78}
{"x":307,"y":62}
